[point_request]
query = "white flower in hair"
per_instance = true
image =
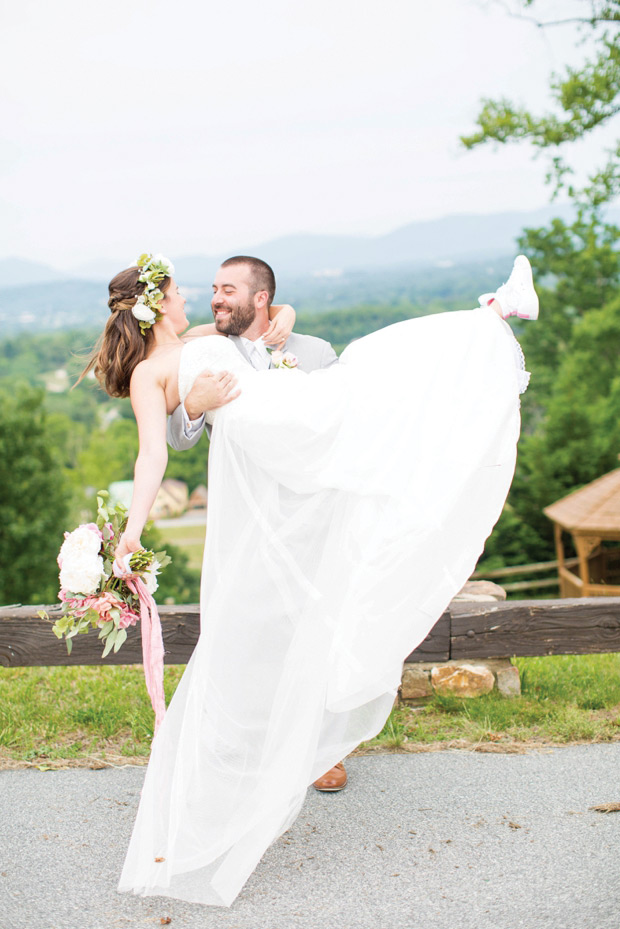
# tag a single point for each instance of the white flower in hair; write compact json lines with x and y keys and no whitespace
{"x":154,"y":269}
{"x":143,"y":312}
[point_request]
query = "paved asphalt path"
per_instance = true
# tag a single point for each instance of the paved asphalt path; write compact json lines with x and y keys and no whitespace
{"x":446,"y":840}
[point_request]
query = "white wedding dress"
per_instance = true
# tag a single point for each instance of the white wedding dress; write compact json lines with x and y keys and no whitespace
{"x":346,"y":508}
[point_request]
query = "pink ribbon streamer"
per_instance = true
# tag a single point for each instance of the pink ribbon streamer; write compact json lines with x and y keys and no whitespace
{"x":152,"y":647}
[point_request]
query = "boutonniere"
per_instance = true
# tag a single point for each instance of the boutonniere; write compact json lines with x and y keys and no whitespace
{"x":283,"y":359}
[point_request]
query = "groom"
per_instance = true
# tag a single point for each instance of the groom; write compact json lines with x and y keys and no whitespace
{"x":243,"y":292}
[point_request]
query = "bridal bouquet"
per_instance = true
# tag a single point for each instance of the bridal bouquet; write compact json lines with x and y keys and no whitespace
{"x":93,"y":596}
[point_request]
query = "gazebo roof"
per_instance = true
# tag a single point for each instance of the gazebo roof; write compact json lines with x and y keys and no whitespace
{"x":591,"y":510}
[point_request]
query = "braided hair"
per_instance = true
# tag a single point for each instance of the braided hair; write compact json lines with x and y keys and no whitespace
{"x":122,"y":345}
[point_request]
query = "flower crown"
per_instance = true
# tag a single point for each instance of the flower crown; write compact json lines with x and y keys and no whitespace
{"x":146,"y":308}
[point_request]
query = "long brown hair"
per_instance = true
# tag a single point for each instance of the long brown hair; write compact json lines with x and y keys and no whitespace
{"x":122,"y":345}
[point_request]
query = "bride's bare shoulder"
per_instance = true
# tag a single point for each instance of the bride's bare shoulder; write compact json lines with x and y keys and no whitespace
{"x":153,"y":371}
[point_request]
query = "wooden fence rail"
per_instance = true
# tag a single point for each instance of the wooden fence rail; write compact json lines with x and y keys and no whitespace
{"x":467,"y":630}
{"x":540,"y":567}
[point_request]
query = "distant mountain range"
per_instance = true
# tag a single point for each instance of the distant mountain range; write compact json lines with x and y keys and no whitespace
{"x":452,"y":239}
{"x":440,"y":264}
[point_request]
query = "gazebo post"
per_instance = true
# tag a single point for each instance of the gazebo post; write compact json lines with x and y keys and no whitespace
{"x":583,"y":550}
{"x":585,"y":546}
{"x":559,"y":549}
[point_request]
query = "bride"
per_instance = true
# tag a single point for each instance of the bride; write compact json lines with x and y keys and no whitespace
{"x":346,"y":508}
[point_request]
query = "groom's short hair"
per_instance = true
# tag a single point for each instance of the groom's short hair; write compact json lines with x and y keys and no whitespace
{"x":261,"y":275}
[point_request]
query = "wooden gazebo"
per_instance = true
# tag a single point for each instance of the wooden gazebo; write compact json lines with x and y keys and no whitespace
{"x":592,"y":517}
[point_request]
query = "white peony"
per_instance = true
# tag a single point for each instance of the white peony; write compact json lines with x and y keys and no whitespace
{"x":82,"y":541}
{"x":150,"y":577}
{"x":81,"y":572}
{"x":143,"y":312}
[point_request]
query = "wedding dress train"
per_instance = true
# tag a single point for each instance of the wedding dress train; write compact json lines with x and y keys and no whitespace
{"x":346,"y":508}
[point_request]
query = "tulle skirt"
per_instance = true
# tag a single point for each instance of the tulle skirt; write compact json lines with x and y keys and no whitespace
{"x":346,"y":509}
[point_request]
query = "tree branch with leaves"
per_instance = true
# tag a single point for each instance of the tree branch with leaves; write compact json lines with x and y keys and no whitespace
{"x":585,"y":98}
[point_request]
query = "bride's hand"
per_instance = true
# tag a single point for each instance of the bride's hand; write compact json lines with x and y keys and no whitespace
{"x":126,"y":546}
{"x":281,"y":325}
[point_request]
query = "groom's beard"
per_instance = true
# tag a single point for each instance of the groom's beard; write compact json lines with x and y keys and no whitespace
{"x":238,"y":318}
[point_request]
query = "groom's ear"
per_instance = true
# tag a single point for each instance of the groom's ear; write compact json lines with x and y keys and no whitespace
{"x":261,"y":300}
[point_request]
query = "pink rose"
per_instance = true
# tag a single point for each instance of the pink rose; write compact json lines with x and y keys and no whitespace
{"x":103,"y":605}
{"x":94,"y":528}
{"x":128,"y":618}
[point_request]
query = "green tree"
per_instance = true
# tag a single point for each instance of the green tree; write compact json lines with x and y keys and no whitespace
{"x":190,"y":465}
{"x":178,"y":583}
{"x":584,"y":99}
{"x":578,"y":262}
{"x":33,"y":500}
{"x":571,"y":410}
{"x":578,"y":440}
{"x":581,"y":264}
{"x":109,"y":456}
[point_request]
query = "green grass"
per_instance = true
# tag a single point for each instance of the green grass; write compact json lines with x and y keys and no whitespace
{"x":57,"y":716}
{"x":190,"y":539}
{"x":565,"y":698}
{"x":52,"y":714}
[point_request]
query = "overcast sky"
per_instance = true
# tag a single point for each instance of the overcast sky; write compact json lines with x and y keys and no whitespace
{"x":194,"y":126}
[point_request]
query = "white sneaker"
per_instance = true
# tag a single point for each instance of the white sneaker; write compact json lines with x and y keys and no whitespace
{"x":517,"y":296}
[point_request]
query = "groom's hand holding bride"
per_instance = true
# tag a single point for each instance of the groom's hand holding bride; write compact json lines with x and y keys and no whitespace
{"x":210,"y":392}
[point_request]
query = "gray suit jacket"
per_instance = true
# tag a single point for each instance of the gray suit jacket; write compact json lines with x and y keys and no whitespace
{"x":312,"y":353}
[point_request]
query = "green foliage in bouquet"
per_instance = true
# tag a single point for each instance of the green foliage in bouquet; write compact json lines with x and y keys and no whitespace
{"x":102,"y":600}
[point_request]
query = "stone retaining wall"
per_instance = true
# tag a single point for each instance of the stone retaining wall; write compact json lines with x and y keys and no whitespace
{"x":420,"y":680}
{"x":460,"y":679}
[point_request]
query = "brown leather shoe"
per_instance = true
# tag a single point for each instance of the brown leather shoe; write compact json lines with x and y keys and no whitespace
{"x":335,"y":779}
